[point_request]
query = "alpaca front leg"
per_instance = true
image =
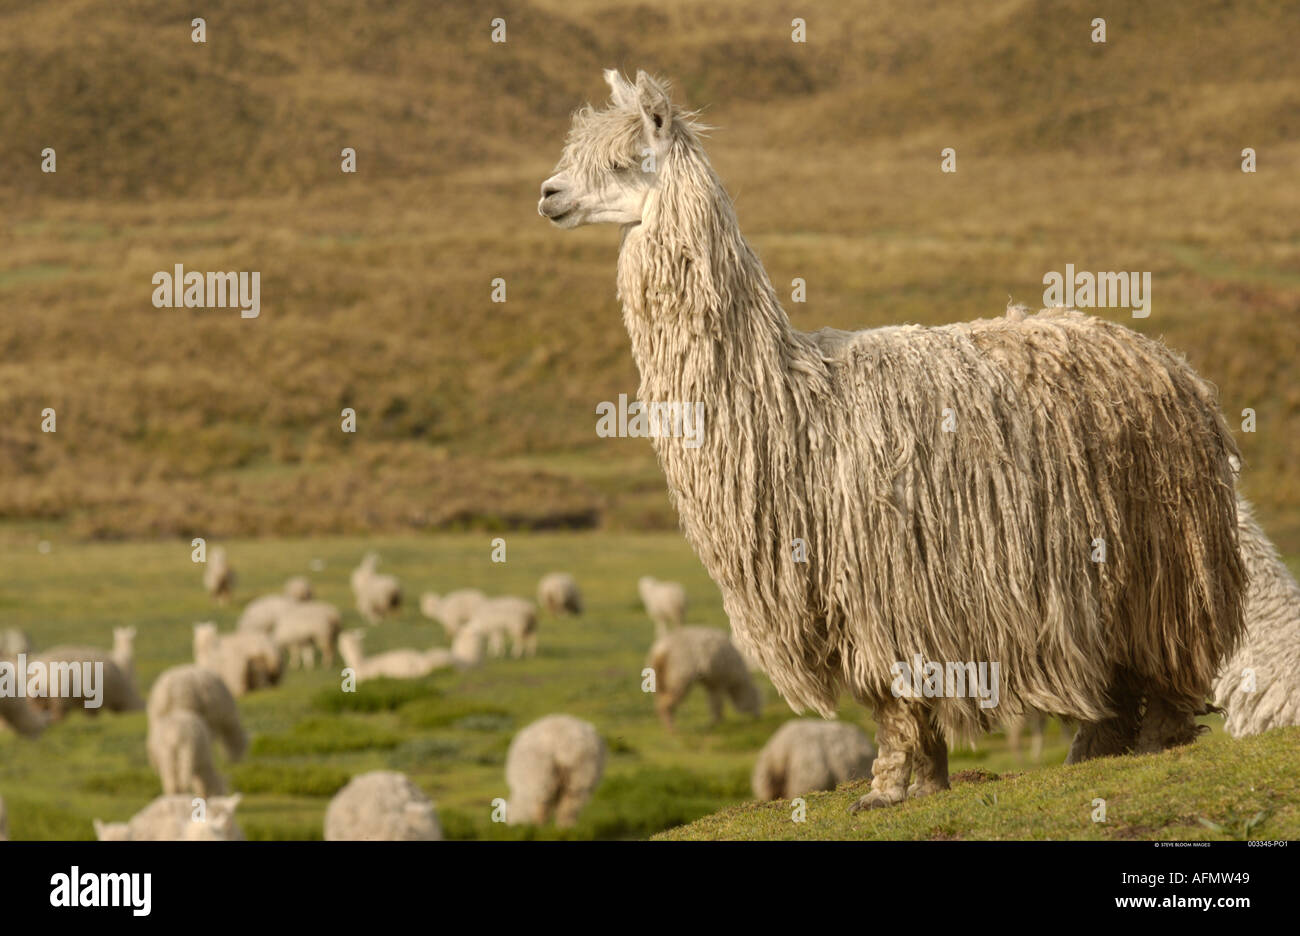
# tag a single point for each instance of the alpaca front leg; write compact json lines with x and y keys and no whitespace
{"x":1112,"y":736}
{"x":1165,"y":725}
{"x":892,"y":769}
{"x":930,"y":760}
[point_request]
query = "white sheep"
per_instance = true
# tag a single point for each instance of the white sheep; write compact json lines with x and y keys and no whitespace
{"x":665,"y":602}
{"x":515,"y":618}
{"x":177,"y":819}
{"x":191,"y":688}
{"x":306,"y":628}
{"x":394,"y":664}
{"x":377,"y":595}
{"x":701,"y":654}
{"x":218,"y":576}
{"x":452,"y":610}
{"x":381,"y":806}
{"x":180,"y":750}
{"x":557,"y":593}
{"x":245,"y":660}
{"x":552,"y":767}
{"x":13,"y":642}
{"x":808,"y":754}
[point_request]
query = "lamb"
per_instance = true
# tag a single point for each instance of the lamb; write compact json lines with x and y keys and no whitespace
{"x":245,"y":660}
{"x":557,"y":593}
{"x":298,"y":588}
{"x":552,"y":767}
{"x":119,"y":692}
{"x":377,"y":595}
{"x":218,"y":577}
{"x":665,"y":602}
{"x":381,"y":806}
{"x":173,"y":819}
{"x":180,"y":750}
{"x":13,"y":642}
{"x":701,"y":654}
{"x":395,"y":664}
{"x":191,"y":688}
{"x":1259,"y":686}
{"x":807,"y":754}
{"x":499,"y":618}
{"x":306,"y":628}
{"x":951,"y":488}
{"x":452,"y":610}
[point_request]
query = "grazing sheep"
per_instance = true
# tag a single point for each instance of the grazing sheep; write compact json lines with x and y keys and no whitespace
{"x":381,"y":806}
{"x":665,"y":602}
{"x":377,"y":595}
{"x":298,"y":588}
{"x":4,"y":821}
{"x":1259,"y":686}
{"x":807,"y":755}
{"x":245,"y":660}
{"x":119,"y":692}
{"x":552,"y":767}
{"x":950,"y":487}
{"x":701,"y":654}
{"x":499,"y":618}
{"x":262,"y":614}
{"x":172,"y":819}
{"x":557,"y":593}
{"x":453,"y":610}
{"x":180,"y":750}
{"x":395,"y":664}
{"x":13,"y":642}
{"x":306,"y":628}
{"x":218,"y":577}
{"x":191,"y":688}
{"x":26,"y":720}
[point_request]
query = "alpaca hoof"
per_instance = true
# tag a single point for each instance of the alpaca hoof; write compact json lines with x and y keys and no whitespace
{"x":873,"y":800}
{"x":917,"y":789}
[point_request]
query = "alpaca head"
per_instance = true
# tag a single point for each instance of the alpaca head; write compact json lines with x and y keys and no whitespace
{"x":205,"y":638}
{"x":123,"y":640}
{"x":608,"y":171}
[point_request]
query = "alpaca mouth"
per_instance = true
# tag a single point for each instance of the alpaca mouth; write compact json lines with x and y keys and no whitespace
{"x":556,"y":219}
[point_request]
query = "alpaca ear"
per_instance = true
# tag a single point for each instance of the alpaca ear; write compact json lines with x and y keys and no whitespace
{"x":656,"y":109}
{"x":624,"y":94}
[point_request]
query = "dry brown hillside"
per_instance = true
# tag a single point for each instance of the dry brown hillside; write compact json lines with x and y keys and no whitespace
{"x":376,"y":286}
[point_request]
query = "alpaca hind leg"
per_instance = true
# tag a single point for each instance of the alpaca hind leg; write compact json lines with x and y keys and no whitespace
{"x":896,"y":739}
{"x":1165,"y":724}
{"x":1112,"y":736}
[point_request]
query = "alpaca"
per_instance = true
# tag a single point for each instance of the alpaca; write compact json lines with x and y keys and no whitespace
{"x":557,"y":593}
{"x":665,"y":602}
{"x":689,"y":655}
{"x":453,"y":610}
{"x":218,"y":577}
{"x":1259,"y":686}
{"x":381,"y":806}
{"x":395,"y":664}
{"x":177,"y":819}
{"x":499,"y":618}
{"x":179,"y":746}
{"x":807,"y":754}
{"x":377,"y":595}
{"x":950,"y":487}
{"x":191,"y":688}
{"x":552,"y":768}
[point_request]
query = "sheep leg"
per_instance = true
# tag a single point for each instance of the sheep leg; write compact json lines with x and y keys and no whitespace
{"x":1165,"y":725}
{"x":896,"y":739}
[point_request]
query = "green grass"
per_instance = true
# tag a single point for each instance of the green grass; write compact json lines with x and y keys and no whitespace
{"x":450,"y":732}
{"x":1217,"y":788}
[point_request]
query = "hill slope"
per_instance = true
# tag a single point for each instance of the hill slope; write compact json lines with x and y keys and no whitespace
{"x":376,"y":287}
{"x":1217,"y":788}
